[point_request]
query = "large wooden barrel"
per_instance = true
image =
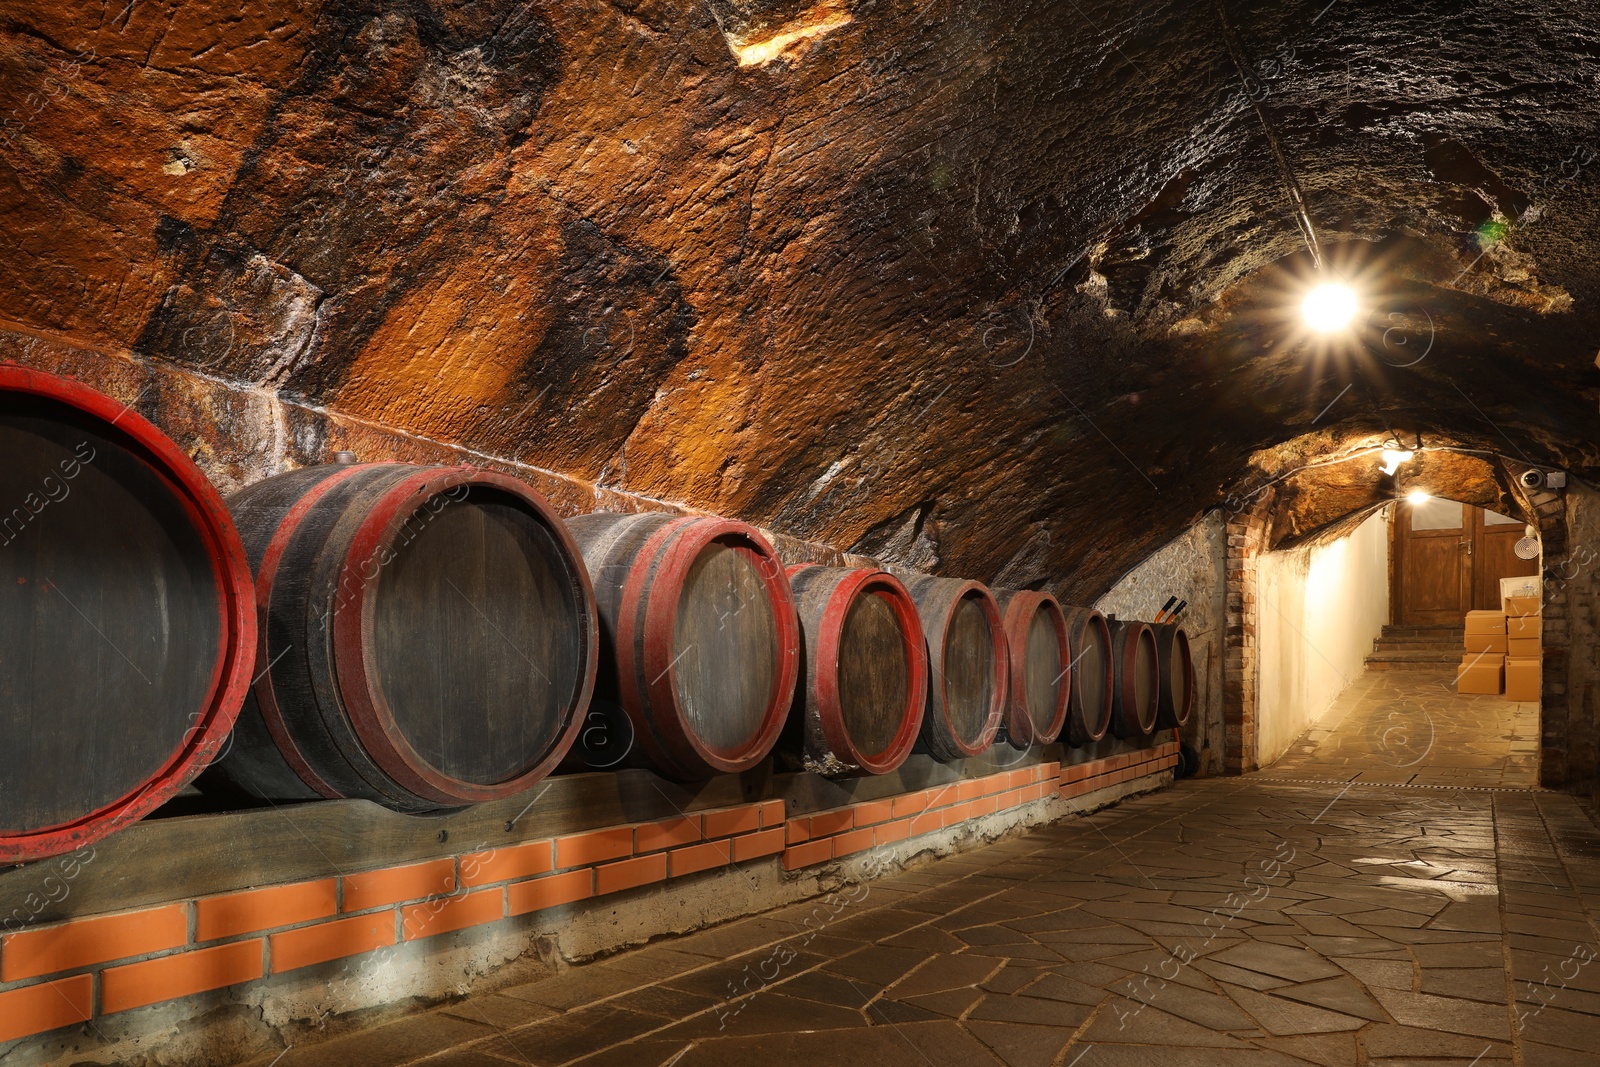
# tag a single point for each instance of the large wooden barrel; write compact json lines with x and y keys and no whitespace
{"x":1089,"y":710}
{"x":1135,"y":679}
{"x":126,"y":617}
{"x":700,"y":645}
{"x":428,"y":637}
{"x":1041,"y":666}
{"x":1175,"y":696}
{"x":864,"y":680}
{"x":969,"y":666}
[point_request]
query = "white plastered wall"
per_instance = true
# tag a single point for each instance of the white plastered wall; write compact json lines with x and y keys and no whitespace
{"x":1319,"y":610}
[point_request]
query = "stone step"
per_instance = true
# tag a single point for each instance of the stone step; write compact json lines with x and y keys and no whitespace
{"x":1441,"y":633}
{"x":1429,"y":659}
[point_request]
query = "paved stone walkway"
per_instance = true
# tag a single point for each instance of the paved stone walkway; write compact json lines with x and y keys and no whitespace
{"x":1413,"y":727}
{"x":1238,"y":922}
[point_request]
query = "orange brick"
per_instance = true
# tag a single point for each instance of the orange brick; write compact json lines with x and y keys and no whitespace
{"x":171,"y":977}
{"x":807,"y":854}
{"x":1052,"y":770}
{"x":452,"y":913}
{"x":986,"y":805}
{"x":926,"y":822}
{"x":701,"y":857}
{"x":898,"y":830}
{"x":969,"y":788}
{"x":957,"y":813}
{"x":911,"y":803}
{"x":505,"y":864}
{"x":524,"y":897}
{"x":854,"y":841}
{"x":641,"y":870}
{"x":750,"y":846}
{"x":377,"y":889}
{"x":873,"y":812}
{"x":730,"y":821}
{"x":772,"y":814}
{"x":596,"y":846}
{"x":1077,"y":772}
{"x":264,"y":909}
{"x":84,"y":941}
{"x":669,"y":833}
{"x":832,"y":822}
{"x":796,"y":831}
{"x":331,"y":940}
{"x":36,"y":1008}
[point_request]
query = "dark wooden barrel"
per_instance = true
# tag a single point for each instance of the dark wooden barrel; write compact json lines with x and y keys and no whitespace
{"x":864,"y":677}
{"x":1089,"y":710}
{"x":126,"y":617}
{"x":1041,"y":666}
{"x":1175,"y":696}
{"x":700,"y":645}
{"x":968,"y":664}
{"x":428,"y":637}
{"x":1135,"y":679}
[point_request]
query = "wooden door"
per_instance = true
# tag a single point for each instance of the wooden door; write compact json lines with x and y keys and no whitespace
{"x":1494,"y":539}
{"x":1449,"y":559}
{"x":1433,"y":576}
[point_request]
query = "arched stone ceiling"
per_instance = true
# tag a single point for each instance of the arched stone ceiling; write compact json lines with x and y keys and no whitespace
{"x":992,"y":288}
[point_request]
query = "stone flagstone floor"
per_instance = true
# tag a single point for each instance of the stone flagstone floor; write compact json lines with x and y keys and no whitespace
{"x":1228,"y":922}
{"x":1412,"y":727}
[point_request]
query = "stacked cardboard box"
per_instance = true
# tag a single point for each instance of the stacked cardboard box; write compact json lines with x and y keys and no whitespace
{"x":1483,"y":668}
{"x":1523,"y":638}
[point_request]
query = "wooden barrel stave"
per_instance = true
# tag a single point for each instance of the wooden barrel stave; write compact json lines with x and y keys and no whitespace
{"x":428,"y":639}
{"x":1089,"y":710}
{"x":968,"y":663}
{"x":863,"y":683}
{"x":1176,"y":663}
{"x":1135,"y":679}
{"x":1040,"y":689}
{"x":122,"y":572}
{"x":704,"y":682}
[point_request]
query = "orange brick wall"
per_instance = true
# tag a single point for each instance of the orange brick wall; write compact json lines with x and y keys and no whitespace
{"x":72,"y":972}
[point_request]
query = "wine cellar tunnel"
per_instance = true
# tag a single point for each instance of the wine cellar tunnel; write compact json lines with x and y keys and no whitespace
{"x":633,"y":533}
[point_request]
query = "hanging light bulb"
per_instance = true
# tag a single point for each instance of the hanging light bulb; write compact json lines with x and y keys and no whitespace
{"x":1329,"y":307}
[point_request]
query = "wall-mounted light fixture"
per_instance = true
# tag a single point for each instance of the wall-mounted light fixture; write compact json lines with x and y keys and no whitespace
{"x":1392,"y":458}
{"x":1418,"y":496}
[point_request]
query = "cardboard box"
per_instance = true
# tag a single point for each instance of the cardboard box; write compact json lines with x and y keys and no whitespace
{"x":1524,"y":647}
{"x":1525,"y":627}
{"x":1487,"y":643}
{"x":1486,"y":622}
{"x":1522,"y":605}
{"x":1522,"y":679}
{"x":1481,"y":674}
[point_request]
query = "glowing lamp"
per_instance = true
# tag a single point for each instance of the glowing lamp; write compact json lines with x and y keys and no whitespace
{"x":1418,"y":496}
{"x":1329,"y":307}
{"x":1392,"y":458}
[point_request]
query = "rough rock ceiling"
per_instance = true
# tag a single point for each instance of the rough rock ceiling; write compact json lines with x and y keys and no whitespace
{"x":992,"y":288}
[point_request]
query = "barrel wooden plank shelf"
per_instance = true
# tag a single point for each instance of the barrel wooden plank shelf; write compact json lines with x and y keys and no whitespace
{"x":1136,"y":679}
{"x":1089,"y":710}
{"x":969,"y":666}
{"x":428,"y":637}
{"x":126,"y":616}
{"x":1176,"y":665}
{"x":864,"y":683}
{"x":701,"y":646}
{"x":1041,"y":666}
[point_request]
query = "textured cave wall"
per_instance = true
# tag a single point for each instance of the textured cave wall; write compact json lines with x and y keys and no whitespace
{"x":988,"y":289}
